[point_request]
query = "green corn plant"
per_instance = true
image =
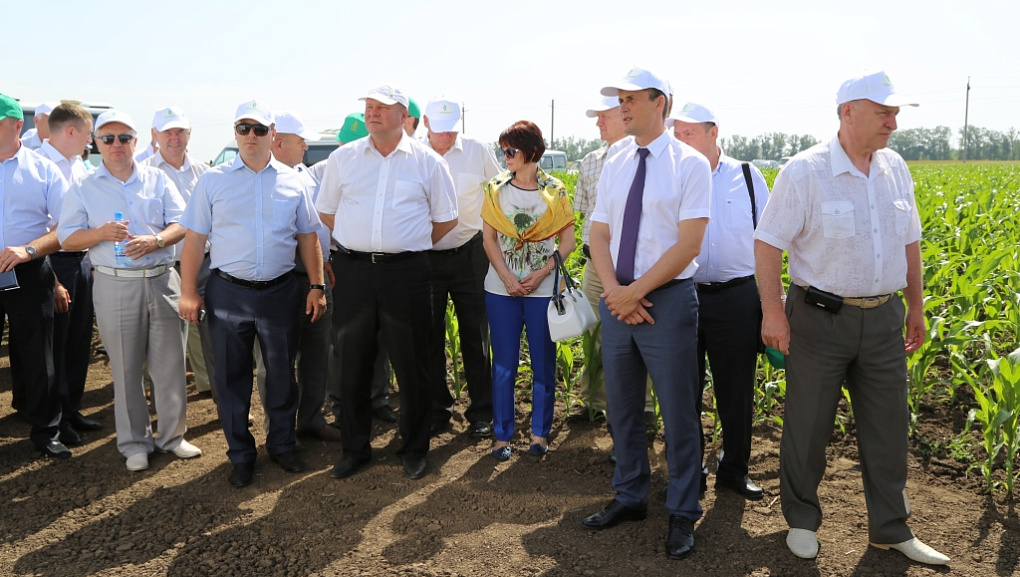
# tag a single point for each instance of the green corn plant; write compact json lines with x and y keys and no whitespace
{"x":999,"y":414}
{"x":592,"y":365}
{"x":565,"y":372}
{"x":769,"y":394}
{"x":453,"y":350}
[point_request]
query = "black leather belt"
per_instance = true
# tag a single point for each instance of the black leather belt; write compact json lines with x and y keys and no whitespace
{"x":252,"y":284}
{"x":474,"y":240}
{"x":77,"y":254}
{"x":714,"y":287}
{"x":378,"y":257}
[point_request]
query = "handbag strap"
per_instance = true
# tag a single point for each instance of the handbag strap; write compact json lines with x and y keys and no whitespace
{"x":559,"y":268}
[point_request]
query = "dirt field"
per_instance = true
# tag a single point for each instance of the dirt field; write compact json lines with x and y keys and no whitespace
{"x":470,"y":516}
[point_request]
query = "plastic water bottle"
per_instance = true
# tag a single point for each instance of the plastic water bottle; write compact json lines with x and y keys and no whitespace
{"x":120,"y":247}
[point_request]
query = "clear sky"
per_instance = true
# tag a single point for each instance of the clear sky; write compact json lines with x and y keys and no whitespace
{"x":761,"y":66}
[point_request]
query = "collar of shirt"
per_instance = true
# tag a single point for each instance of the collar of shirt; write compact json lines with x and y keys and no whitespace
{"x":238,"y":164}
{"x":404,"y":145}
{"x":160,"y":159}
{"x":841,"y":162}
{"x":103,"y":172}
{"x":656,"y":146}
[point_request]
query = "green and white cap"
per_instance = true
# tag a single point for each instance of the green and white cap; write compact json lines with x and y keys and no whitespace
{"x":255,"y":110}
{"x":873,"y":86}
{"x":111,"y":116}
{"x":693,"y":113}
{"x":443,"y":114}
{"x":638,"y":79}
{"x":170,"y":117}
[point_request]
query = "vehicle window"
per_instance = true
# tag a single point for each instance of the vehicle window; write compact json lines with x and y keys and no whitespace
{"x":317,"y":153}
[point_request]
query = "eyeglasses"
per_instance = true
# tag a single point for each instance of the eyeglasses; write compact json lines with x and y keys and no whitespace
{"x":258,"y":129}
{"x":109,"y":138}
{"x":510,"y":152}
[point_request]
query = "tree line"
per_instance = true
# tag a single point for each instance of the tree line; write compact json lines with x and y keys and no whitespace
{"x":911,"y":143}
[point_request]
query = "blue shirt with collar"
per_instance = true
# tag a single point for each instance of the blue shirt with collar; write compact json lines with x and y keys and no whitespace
{"x":251,"y":218}
{"x":32,"y":190}
{"x":148,"y":200}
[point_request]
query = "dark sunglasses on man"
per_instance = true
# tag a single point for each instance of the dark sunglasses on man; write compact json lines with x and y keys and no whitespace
{"x":109,"y":138}
{"x":244,"y":128}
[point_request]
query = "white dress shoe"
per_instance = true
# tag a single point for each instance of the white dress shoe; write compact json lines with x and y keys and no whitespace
{"x":802,"y":543}
{"x":138,"y":462}
{"x":186,"y":450}
{"x":916,"y":550}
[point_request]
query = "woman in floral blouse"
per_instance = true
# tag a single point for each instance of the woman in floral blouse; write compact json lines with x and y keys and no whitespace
{"x":525,"y":212}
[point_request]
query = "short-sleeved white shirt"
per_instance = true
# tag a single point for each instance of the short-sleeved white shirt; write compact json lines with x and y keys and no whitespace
{"x":678,"y":186}
{"x":845,"y":232}
{"x":472,"y":164}
{"x":386,"y":203}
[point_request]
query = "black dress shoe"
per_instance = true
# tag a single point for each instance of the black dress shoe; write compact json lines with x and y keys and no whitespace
{"x":80,"y":423}
{"x":289,"y":462}
{"x":347,"y":466}
{"x":68,"y":436}
{"x":54,"y":450}
{"x":614,"y":514}
{"x":242,"y":474}
{"x":438,"y":427}
{"x":680,"y":541}
{"x":385,"y":413}
{"x":414,"y":466}
{"x":742,"y":486}
{"x":481,"y":430}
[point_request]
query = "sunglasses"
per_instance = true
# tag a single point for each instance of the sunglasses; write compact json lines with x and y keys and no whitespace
{"x":109,"y":138}
{"x":510,"y":152}
{"x":258,"y":129}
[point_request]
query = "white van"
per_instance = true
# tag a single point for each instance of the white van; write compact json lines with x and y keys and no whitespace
{"x":553,"y":160}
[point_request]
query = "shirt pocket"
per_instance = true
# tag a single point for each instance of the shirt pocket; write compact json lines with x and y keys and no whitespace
{"x":838,"y":219}
{"x":736,"y":215}
{"x":902,"y":212}
{"x":285,"y":208}
{"x":151,"y":210}
{"x":407,"y":193}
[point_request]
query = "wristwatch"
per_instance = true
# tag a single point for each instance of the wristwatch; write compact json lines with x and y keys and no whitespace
{"x":30,"y":250}
{"x":321,"y":287}
{"x":160,"y":242}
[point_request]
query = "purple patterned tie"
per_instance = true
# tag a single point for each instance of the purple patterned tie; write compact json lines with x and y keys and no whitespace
{"x":631,"y":222}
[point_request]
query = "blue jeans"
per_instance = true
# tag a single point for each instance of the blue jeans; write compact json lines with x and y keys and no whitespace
{"x":507,"y":316}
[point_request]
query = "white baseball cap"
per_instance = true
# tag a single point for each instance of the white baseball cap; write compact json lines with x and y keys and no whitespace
{"x":387,"y":94}
{"x":257,"y":111}
{"x":694,"y":113}
{"x":608,"y":103}
{"x":638,"y":79}
{"x":443,"y":114}
{"x":45,"y":108}
{"x":873,"y":86}
{"x":111,"y":116}
{"x":170,"y":117}
{"x":289,"y":123}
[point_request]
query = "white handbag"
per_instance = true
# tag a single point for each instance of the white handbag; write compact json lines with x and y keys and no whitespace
{"x":569,"y":313}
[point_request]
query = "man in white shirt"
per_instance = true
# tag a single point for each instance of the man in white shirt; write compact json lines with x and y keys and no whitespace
{"x":70,"y":132}
{"x":844,"y":211}
{"x":171,"y":129}
{"x":34,"y":137}
{"x":728,"y":308}
{"x":649,"y":219}
{"x":387,"y":198}
{"x":459,"y":266}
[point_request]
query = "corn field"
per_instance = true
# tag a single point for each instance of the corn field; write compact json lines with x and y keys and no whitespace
{"x":970,"y":361}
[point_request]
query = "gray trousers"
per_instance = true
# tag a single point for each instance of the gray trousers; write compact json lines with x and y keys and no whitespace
{"x":139,"y":324}
{"x":864,"y":348}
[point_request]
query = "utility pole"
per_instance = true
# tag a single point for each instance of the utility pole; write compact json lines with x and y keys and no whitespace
{"x":463,"y":113}
{"x":552,"y":125}
{"x":966,"y":115}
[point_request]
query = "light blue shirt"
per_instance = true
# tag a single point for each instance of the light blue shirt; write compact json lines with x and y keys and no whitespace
{"x":31,"y":192}
{"x":313,"y":191}
{"x":727,"y":250}
{"x":148,"y":200}
{"x":252,"y":219}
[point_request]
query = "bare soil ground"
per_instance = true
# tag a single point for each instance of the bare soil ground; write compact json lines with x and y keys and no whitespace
{"x":470,"y":516}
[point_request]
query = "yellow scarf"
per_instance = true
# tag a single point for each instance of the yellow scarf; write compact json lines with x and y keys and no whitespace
{"x":559,"y":216}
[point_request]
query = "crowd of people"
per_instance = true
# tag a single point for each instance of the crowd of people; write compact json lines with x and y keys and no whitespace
{"x":325,"y":276}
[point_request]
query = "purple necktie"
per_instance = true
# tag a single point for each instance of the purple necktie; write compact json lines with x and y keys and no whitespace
{"x":631,"y":222}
